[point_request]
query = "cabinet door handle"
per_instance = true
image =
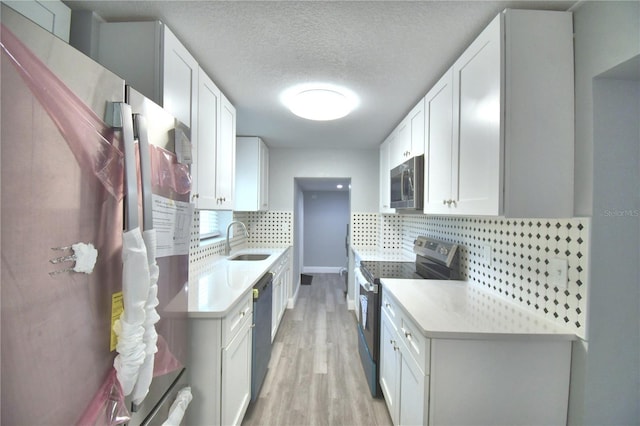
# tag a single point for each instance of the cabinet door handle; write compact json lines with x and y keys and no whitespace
{"x":407,"y":335}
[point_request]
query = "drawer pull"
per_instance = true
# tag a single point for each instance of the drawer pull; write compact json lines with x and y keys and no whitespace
{"x":407,"y":335}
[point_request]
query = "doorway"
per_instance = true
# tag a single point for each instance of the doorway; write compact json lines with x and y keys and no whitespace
{"x":321,"y":221}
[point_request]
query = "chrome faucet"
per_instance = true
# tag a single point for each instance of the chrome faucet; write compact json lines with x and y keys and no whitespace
{"x":227,"y":247}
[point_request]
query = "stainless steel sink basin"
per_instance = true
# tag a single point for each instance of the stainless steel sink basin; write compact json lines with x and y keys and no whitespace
{"x":250,"y":256}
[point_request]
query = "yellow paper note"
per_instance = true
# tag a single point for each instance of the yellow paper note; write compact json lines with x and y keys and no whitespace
{"x":117,"y":307}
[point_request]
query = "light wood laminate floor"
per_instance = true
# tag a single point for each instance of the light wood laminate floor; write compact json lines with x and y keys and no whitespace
{"x":315,"y":376}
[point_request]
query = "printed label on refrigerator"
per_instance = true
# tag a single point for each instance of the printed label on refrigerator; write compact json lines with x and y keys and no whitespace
{"x":172,"y":222}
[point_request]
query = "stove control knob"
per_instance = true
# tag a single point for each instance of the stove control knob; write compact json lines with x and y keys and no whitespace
{"x":443,"y":251}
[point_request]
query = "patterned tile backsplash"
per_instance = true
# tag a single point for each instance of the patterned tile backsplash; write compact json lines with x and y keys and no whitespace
{"x":266,"y":229}
{"x":520,"y":251}
{"x":518,"y":265}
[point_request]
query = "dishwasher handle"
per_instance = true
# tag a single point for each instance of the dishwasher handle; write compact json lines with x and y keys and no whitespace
{"x":262,"y":285}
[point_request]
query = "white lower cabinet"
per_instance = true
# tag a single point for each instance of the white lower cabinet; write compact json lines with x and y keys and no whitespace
{"x":389,"y":366}
{"x":281,"y":289}
{"x":414,"y":393}
{"x":236,"y":377}
{"x":404,"y":383}
{"x":467,"y":380}
{"x":220,"y":366}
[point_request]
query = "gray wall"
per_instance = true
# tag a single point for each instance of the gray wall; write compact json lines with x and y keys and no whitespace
{"x":606,"y":34}
{"x":605,"y":381}
{"x":326,"y":215}
{"x":360,"y":165}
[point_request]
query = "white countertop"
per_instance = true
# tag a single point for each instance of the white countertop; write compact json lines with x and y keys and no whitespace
{"x":217,"y":285}
{"x":380,"y":254}
{"x":457,"y":309}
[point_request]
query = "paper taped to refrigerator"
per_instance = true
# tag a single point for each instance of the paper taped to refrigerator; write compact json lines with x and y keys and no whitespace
{"x":172,"y":222}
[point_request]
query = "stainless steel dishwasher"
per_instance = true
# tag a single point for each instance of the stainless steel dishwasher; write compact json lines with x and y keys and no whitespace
{"x":261,"y":352}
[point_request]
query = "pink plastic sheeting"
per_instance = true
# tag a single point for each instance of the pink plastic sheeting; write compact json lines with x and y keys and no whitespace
{"x":108,"y":407}
{"x":165,"y":362}
{"x":88,"y":137}
{"x":167,"y":173}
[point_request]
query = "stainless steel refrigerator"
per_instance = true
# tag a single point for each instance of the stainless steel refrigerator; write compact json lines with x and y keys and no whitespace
{"x":62,"y":184}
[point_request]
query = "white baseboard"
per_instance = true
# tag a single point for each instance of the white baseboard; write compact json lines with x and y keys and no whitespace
{"x":291,"y":302}
{"x":321,"y":269}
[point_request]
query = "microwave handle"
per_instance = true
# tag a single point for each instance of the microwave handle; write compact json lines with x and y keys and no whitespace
{"x":402,"y":196}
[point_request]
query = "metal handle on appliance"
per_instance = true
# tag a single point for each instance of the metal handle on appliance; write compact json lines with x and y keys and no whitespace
{"x":119,"y":116}
{"x":140,"y":128}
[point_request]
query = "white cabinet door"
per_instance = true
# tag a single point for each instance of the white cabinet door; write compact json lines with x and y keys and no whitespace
{"x":417,"y":121}
{"x":225,"y":156}
{"x":204,"y":150}
{"x":390,"y":367}
{"x":236,"y":377}
{"x":251,"y":174}
{"x":408,"y":140}
{"x":477,"y":112}
{"x":276,"y":305}
{"x":413,"y":393}
{"x":401,"y":143}
{"x":180,"y":85}
{"x":263,"y":201}
{"x":385,"y":194}
{"x":439,"y":164}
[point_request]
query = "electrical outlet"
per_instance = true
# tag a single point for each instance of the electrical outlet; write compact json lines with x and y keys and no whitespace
{"x":485,"y":254}
{"x":558,"y":273}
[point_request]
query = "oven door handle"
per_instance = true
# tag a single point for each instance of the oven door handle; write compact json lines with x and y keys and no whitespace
{"x":362,"y":282}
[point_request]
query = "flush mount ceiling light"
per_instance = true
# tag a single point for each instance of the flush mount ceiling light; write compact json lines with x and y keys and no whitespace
{"x":319,"y":102}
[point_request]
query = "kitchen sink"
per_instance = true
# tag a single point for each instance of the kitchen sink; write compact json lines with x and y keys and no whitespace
{"x":250,"y":256}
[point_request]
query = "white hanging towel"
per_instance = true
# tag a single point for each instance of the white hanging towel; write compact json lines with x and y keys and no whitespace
{"x":130,"y":327}
{"x":179,"y":406}
{"x":364,"y":303}
{"x":150,"y":337}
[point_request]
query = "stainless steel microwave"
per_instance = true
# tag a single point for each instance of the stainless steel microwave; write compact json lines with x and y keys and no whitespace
{"x":407,"y":182}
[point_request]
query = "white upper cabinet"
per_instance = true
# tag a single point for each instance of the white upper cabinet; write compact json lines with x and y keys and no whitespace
{"x":203,"y":169}
{"x":213,"y":166}
{"x":226,"y":156}
{"x":409,"y":136}
{"x":153,"y":61}
{"x":252,"y":174}
{"x":180,"y":81}
{"x":52,"y":15}
{"x":439,"y":146}
{"x":511,"y":145}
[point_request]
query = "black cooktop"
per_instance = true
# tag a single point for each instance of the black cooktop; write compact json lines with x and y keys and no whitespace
{"x":373,"y":270}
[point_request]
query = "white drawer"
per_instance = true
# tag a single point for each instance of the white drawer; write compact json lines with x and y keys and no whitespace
{"x":240,"y":312}
{"x":280,"y":264}
{"x":417,"y":345}
{"x":391,"y":308}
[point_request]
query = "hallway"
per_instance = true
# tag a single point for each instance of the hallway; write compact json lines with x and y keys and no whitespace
{"x":315,"y":376}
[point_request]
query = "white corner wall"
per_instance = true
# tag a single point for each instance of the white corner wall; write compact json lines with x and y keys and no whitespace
{"x":605,"y":381}
{"x":606,"y":34}
{"x":361,"y":166}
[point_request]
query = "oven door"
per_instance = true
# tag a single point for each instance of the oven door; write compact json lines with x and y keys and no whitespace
{"x":368,"y":335}
{"x":369,"y":314}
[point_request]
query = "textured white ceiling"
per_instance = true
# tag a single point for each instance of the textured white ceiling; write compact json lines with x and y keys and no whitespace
{"x":389,"y":52}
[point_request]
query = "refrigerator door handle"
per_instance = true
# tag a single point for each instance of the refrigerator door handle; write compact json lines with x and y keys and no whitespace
{"x":119,"y":116}
{"x":140,"y":127}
